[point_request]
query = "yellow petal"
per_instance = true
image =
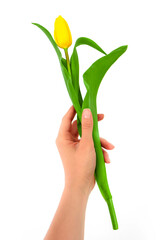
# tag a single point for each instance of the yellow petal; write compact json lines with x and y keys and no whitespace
{"x":62,"y":34}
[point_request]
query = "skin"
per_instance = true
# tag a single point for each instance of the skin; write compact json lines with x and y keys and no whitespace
{"x":79,"y":161}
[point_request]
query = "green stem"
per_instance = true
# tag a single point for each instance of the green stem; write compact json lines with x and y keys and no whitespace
{"x":101,"y":176}
{"x":100,"y":171}
{"x":67,"y":58}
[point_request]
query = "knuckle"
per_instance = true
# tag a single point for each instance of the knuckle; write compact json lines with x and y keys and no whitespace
{"x":91,"y":144}
{"x":87,"y":124}
{"x":88,"y":143}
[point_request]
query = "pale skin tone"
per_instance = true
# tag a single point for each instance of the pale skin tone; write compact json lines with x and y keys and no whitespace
{"x":79,"y":161}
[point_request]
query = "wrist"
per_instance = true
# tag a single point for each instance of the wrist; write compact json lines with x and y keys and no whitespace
{"x":78,"y":191}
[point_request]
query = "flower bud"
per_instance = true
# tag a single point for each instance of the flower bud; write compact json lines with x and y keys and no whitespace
{"x":62,"y":34}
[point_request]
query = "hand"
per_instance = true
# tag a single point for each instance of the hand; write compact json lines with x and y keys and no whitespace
{"x":78,"y":155}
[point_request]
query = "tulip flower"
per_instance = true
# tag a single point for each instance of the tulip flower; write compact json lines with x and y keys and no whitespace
{"x":63,"y":37}
{"x":62,"y":33}
{"x":92,"y":79}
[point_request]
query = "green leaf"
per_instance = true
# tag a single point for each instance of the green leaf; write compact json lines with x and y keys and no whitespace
{"x":74,"y":61}
{"x":70,"y":88}
{"x":92,"y":79}
{"x":89,"y":42}
{"x":50,"y":39}
{"x":67,"y":77}
{"x":94,"y":75}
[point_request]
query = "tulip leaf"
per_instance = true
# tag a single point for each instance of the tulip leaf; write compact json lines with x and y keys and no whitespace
{"x":89,"y":42}
{"x":70,"y":88}
{"x":92,"y":79}
{"x":74,"y":62}
{"x":66,"y":75}
{"x":94,"y":75}
{"x":50,"y":39}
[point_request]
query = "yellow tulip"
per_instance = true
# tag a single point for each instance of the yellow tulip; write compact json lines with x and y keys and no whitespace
{"x":62,"y":34}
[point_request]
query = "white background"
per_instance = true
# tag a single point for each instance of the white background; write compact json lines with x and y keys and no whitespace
{"x":33,"y":100}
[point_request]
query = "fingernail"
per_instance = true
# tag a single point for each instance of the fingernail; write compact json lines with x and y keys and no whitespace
{"x":86,"y":113}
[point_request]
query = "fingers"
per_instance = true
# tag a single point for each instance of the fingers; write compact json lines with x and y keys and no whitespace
{"x":70,"y":114}
{"x":67,"y":120}
{"x":87,"y":125}
{"x":105,"y":144}
{"x":100,"y":116}
{"x":106,"y":156}
{"x":74,"y":129}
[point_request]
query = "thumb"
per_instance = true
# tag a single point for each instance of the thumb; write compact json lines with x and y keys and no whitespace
{"x":87,"y":125}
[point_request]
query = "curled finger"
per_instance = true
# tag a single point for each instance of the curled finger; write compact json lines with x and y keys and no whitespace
{"x":106,"y":156}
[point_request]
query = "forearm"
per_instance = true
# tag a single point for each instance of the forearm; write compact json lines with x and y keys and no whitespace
{"x":69,"y":219}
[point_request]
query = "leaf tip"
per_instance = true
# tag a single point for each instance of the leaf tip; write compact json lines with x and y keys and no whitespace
{"x":126,"y":46}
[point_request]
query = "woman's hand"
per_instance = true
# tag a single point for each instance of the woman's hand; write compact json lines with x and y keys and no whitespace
{"x":79,"y":161}
{"x":78,"y":155}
